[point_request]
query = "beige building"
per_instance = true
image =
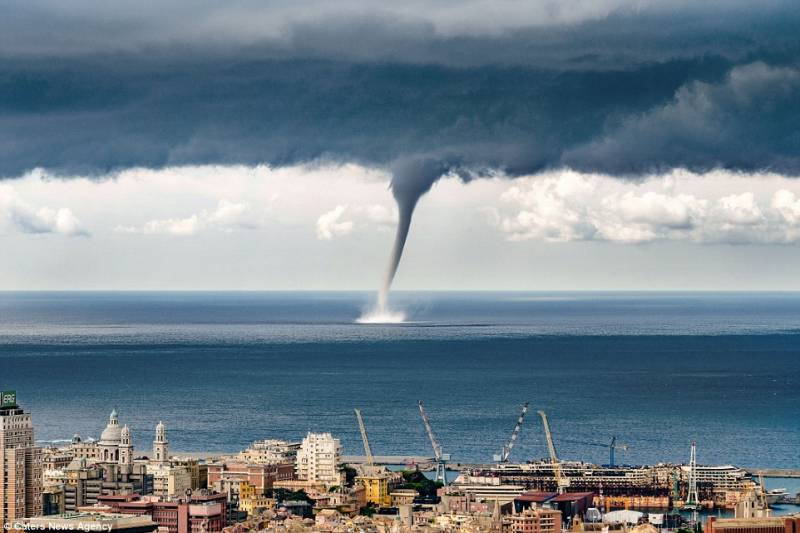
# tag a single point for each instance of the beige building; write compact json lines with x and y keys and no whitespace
{"x":170,"y":481}
{"x":536,"y":521}
{"x":20,"y":463}
{"x":318,"y":460}
{"x":270,"y":452}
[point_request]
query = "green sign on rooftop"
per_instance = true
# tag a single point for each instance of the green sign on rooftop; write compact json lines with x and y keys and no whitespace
{"x":8,"y":398}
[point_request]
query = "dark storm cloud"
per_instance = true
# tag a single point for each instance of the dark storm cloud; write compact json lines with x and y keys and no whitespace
{"x":91,"y":89}
{"x":748,"y":121}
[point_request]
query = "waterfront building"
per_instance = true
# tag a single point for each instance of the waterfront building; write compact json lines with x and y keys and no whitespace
{"x":536,"y":521}
{"x":318,"y":460}
{"x":20,"y":463}
{"x":270,"y":452}
{"x":91,"y":521}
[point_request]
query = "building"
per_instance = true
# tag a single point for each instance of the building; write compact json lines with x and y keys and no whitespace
{"x":318,"y":460}
{"x":536,"y":521}
{"x":199,"y":513}
{"x":270,"y":452}
{"x":86,"y":482}
{"x":228,"y":477}
{"x":53,"y":501}
{"x":20,"y":463}
{"x":101,"y":467}
{"x":93,"y":521}
{"x":376,"y":486}
{"x":251,"y":501}
{"x":161,"y":445}
{"x":403,"y":497}
{"x":114,"y":445}
{"x":170,"y":481}
{"x":572,"y":504}
{"x":772,"y":524}
{"x":197,"y":470}
{"x":55,"y":459}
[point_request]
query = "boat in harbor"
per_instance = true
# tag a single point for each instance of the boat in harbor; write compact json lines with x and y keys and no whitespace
{"x":775,"y":496}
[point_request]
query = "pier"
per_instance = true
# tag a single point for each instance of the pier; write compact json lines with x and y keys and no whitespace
{"x":389,"y":459}
{"x":775,"y":472}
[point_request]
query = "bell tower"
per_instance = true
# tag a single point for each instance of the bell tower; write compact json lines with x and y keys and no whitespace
{"x":125,"y":447}
{"x":160,"y":445}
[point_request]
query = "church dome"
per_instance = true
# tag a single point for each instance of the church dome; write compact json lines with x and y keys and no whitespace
{"x":113,"y":433}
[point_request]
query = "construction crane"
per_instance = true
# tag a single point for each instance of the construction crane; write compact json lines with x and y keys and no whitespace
{"x":692,"y":499}
{"x":562,"y":482}
{"x":503,"y":456}
{"x":611,"y":447}
{"x":441,"y":458}
{"x":365,"y":439}
{"x":763,"y":495}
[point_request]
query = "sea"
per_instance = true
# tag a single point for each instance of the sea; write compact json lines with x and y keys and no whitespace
{"x":657,"y":371}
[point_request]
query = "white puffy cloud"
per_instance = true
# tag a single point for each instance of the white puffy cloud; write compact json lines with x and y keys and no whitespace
{"x":569,"y":206}
{"x":342,"y":219}
{"x":227,"y":216}
{"x":23,"y":217}
{"x":331,"y":224}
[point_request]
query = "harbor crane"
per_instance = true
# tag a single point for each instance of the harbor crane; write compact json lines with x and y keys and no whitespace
{"x":562,"y":482}
{"x":503,"y":456}
{"x":612,"y":447}
{"x":763,"y":495}
{"x":367,"y":450}
{"x":692,"y":499}
{"x":441,"y":458}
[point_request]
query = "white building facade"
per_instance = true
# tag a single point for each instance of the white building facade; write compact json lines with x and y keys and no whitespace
{"x":318,"y":460}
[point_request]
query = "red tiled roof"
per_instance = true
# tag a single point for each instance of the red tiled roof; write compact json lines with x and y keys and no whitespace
{"x":536,"y":497}
{"x":572,"y":496}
